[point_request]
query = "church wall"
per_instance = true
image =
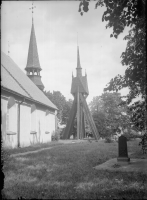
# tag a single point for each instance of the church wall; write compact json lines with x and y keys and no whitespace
{"x":45,"y":125}
{"x":9,"y":124}
{"x":51,"y":120}
{"x":3,"y":118}
{"x":48,"y":131}
{"x":40,"y":125}
{"x":25,"y":125}
{"x":40,"y":122}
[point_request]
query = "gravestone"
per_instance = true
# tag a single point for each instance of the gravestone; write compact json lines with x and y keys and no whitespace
{"x":122,"y":150}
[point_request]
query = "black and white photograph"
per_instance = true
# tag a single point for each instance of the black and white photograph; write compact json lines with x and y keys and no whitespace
{"x":73,"y":99}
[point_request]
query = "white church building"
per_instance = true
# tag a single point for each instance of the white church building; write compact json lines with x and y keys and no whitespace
{"x":27,"y":115}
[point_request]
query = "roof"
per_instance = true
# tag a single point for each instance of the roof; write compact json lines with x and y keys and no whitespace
{"x":33,"y":59}
{"x":80,"y":82}
{"x":14,"y":79}
{"x":78,"y":58}
{"x":36,"y":79}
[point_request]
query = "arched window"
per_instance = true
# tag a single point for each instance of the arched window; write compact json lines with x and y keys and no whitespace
{"x":11,"y":120}
{"x":33,"y":117}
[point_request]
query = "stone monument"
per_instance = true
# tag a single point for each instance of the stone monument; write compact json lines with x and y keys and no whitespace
{"x":122,"y":150}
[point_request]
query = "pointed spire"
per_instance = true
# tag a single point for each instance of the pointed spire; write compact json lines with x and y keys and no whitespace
{"x":33,"y":58}
{"x":78,"y":58}
{"x":33,"y":65}
{"x":85,"y":73}
{"x":79,"y":69}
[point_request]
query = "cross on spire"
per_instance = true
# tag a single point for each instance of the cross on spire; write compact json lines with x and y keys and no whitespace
{"x":32,"y":10}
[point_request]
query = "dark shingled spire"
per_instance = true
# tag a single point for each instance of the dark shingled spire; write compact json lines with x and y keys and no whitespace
{"x":33,"y":65}
{"x":79,"y":82}
{"x":79,"y":69}
{"x":33,"y":59}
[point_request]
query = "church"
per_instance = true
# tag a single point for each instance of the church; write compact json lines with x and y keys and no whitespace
{"x":28,"y":117}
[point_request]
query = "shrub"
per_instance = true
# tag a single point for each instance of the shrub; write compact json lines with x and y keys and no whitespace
{"x":131,"y":135}
{"x":61,"y":133}
{"x":108,"y":140}
{"x":56,"y":135}
{"x":128,"y":136}
{"x":143,"y":142}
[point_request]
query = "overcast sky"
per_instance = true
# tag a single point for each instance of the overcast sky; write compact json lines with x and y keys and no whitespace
{"x":56,"y":26}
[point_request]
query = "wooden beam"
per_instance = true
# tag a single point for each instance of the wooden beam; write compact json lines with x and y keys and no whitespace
{"x":78,"y":115}
{"x":89,"y":117}
{"x":82,"y":128}
{"x":83,"y":125}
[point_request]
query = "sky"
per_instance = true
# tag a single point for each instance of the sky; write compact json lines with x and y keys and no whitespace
{"x":56,"y":26}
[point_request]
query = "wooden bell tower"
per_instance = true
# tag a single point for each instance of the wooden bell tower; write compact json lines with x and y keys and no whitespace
{"x":79,"y":89}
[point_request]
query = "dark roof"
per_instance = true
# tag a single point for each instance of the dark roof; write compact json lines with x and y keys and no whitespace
{"x":33,"y":59}
{"x":78,"y":59}
{"x":14,"y":79}
{"x":36,"y":79}
{"x":81,"y":83}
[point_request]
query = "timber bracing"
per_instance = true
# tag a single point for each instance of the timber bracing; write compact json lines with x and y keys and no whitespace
{"x":84,"y":112}
{"x":79,"y":90}
{"x":89,"y":118}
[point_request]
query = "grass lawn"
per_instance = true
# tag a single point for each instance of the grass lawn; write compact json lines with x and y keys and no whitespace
{"x":66,"y":172}
{"x":32,"y":148}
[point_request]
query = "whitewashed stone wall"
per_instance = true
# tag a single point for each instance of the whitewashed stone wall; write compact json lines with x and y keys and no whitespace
{"x":38,"y":121}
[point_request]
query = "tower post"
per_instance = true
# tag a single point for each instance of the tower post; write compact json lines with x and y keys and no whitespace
{"x":79,"y":90}
{"x":78,"y":115}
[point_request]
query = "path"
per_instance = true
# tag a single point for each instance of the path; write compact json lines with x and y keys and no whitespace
{"x":42,"y":149}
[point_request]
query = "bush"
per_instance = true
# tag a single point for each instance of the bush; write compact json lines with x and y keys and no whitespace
{"x":56,"y":135}
{"x":130,"y":136}
{"x":62,"y":133}
{"x":108,"y":140}
{"x":143,"y":142}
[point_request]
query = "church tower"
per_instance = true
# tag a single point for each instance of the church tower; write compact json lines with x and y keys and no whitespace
{"x":80,"y":110}
{"x":33,"y":65}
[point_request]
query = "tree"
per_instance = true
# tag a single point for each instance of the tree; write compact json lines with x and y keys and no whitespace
{"x":109,"y":113}
{"x":66,"y":111}
{"x":62,"y":104}
{"x":119,"y":14}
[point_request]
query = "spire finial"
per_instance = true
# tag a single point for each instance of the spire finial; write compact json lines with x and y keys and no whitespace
{"x":32,"y":10}
{"x":8,"y":49}
{"x":85,"y":73}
